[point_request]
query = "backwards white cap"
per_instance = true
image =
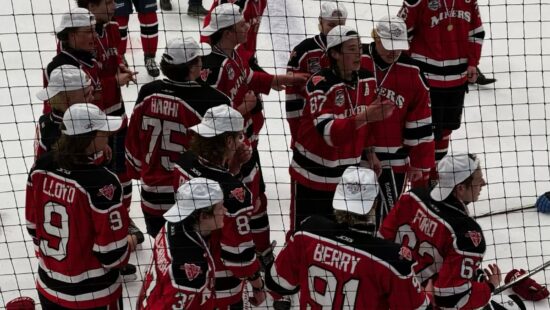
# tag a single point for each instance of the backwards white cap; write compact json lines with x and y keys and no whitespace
{"x":333,"y":10}
{"x":198,"y":193}
{"x":82,"y":118}
{"x":64,"y":78}
{"x":453,"y":170}
{"x":218,"y":120}
{"x":77,"y":17}
{"x":357,"y":191}
{"x":180,"y":51}
{"x":340,"y":34}
{"x":223,"y":16}
{"x":392,"y":31}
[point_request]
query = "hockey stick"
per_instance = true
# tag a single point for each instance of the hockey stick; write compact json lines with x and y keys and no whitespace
{"x":505,"y":211}
{"x":518,"y":279}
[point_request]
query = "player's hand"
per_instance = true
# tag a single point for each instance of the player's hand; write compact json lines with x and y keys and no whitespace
{"x":258,"y":298}
{"x":493,"y":275}
{"x":374,"y":163}
{"x":249,"y":103}
{"x":125,"y":76}
{"x":379,"y":110}
{"x":108,"y":153}
{"x":132,"y":242}
{"x":471,"y":73}
{"x":280,"y":81}
{"x":415,"y":174}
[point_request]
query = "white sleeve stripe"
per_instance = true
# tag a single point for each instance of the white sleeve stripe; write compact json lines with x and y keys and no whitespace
{"x":419,"y":123}
{"x":282,"y":282}
{"x":477,"y":30}
{"x":326,"y":133}
{"x":239,"y":264}
{"x":415,"y":142}
{"x":118,"y":261}
{"x":111,"y":246}
{"x":238,"y":249}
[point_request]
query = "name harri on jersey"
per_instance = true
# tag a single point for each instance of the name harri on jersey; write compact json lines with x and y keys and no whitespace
{"x":330,"y":256}
{"x":465,"y":15}
{"x":164,"y":107}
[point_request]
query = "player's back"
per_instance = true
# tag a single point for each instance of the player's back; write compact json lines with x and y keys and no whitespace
{"x":338,"y":267}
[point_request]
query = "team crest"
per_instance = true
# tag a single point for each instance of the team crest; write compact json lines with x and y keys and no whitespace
{"x":314,"y":64}
{"x":475,"y":236}
{"x":406,"y":253}
{"x":230,"y":73}
{"x":340,"y":98}
{"x":317,"y":79}
{"x":433,"y":5}
{"x":107,"y":191}
{"x":204,"y":74}
{"x":192,"y":271}
{"x":239,"y":194}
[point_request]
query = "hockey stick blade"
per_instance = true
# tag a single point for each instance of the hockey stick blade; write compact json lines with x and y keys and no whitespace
{"x":504,"y":287}
{"x":505,"y":211}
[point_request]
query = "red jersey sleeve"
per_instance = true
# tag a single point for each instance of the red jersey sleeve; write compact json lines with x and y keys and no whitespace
{"x":30,"y":211}
{"x":282,"y":278}
{"x":410,"y":12}
{"x":475,"y":36}
{"x":134,"y":156}
{"x":418,"y":133}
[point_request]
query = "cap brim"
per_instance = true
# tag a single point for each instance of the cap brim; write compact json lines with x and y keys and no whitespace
{"x":205,"y":131}
{"x":208,"y":30}
{"x":176,"y":214}
{"x":395,"y":45}
{"x":205,"y":48}
{"x":114,"y":123}
{"x":361,"y":207}
{"x":439,"y":193}
{"x":46,"y":94}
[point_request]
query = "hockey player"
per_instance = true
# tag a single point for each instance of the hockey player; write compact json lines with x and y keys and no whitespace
{"x":75,"y":216}
{"x":338,"y":265}
{"x":309,"y":57}
{"x":181,"y":275}
{"x":403,"y":142}
{"x":147,"y":15}
{"x":158,"y":131}
{"x":335,"y":126}
{"x":447,"y":243}
{"x":446,"y":38}
{"x":68,"y":85}
{"x":216,"y":152}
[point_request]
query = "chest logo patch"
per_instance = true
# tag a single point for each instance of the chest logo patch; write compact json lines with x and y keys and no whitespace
{"x":107,"y":191}
{"x":192,"y":271}
{"x":433,"y":5}
{"x":340,"y":98}
{"x":239,"y":194}
{"x":475,"y":236}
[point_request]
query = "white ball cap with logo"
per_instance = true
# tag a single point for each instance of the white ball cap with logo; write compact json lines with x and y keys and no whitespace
{"x":82,"y":118}
{"x":198,"y":193}
{"x":64,"y":78}
{"x":340,"y":34}
{"x":180,"y":51}
{"x":357,"y":191}
{"x":333,"y":11}
{"x":453,"y":170}
{"x":76,"y":18}
{"x":223,"y":16}
{"x":392,"y":31}
{"x":218,"y":120}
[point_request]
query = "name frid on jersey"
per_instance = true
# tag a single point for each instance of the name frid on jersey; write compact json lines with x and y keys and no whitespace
{"x":335,"y":258}
{"x":465,"y":15}
{"x":425,"y":224}
{"x":56,"y":189}
{"x":392,"y":96}
{"x":164,"y":107}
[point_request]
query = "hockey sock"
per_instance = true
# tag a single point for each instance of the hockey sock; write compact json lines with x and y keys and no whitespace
{"x":149,"y":32}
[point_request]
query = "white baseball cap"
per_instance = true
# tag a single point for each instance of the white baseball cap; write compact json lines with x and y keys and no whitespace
{"x":197,"y":193}
{"x":223,"y":16}
{"x":218,"y":120}
{"x":392,"y":31}
{"x":64,"y":78}
{"x":77,"y":17}
{"x":340,"y":34}
{"x":333,"y":10}
{"x":180,"y":51}
{"x":81,"y":118}
{"x":453,"y":170}
{"x":356,"y":191}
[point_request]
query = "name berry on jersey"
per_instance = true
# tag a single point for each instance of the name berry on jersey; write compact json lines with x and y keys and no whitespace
{"x":335,"y":258}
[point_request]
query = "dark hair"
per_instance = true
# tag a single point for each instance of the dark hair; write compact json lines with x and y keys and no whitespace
{"x":470,"y":179}
{"x":86,"y":3}
{"x":333,"y":62}
{"x":179,"y":72}
{"x":212,"y":149}
{"x":350,"y":218}
{"x":217,"y":36}
{"x":70,"y":151}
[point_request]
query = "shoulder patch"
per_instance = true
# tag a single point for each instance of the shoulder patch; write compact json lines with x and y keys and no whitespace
{"x":107,"y":191}
{"x":192,"y":271}
{"x":239,"y":193}
{"x":317,"y":79}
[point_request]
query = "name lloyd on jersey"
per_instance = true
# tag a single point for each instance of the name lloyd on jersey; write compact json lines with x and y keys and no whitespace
{"x":425,"y":224}
{"x":465,"y":15}
{"x":335,"y":258}
{"x":165,"y":107}
{"x":54,"y":188}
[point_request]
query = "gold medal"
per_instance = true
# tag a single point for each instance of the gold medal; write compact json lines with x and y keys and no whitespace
{"x":450,"y":27}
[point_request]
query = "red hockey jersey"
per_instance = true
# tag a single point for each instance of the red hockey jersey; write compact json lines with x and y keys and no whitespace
{"x":327,"y":141}
{"x":181,"y":275}
{"x":446,"y":37}
{"x":79,"y":229}
{"x":307,"y":57}
{"x":407,"y":134}
{"x":447,"y":243}
{"x":231,"y":75}
{"x":157,"y":135}
{"x":336,"y":267}
{"x":232,"y":246}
